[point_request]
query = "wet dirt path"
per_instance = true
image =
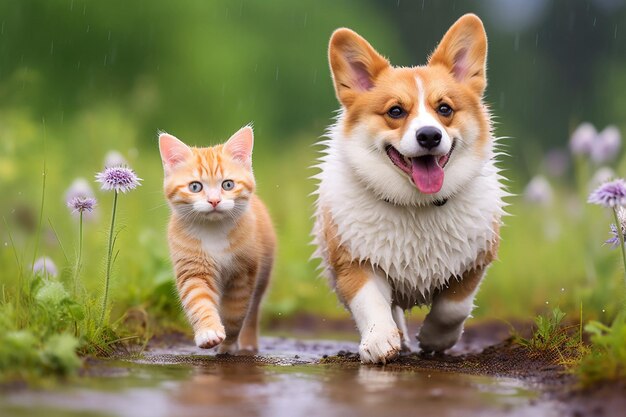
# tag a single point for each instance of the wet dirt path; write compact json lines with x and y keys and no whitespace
{"x":293,"y":378}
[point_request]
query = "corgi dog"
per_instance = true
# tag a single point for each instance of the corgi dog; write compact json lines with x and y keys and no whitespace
{"x":409,"y":199}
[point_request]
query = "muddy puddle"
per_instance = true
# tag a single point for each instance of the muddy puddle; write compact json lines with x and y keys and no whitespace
{"x":290,"y":378}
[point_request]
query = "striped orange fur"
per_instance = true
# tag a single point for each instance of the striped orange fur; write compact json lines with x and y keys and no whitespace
{"x":221,"y":239}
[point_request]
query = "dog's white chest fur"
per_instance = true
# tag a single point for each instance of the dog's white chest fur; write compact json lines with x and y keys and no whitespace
{"x":419,"y":247}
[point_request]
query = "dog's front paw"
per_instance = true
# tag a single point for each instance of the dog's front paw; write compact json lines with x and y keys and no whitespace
{"x":380,"y":346}
{"x":229,"y":348}
{"x":405,"y":343}
{"x":434,"y":338}
{"x":208,"y":338}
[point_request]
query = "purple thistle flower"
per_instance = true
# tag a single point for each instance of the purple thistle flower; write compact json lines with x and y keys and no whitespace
{"x":45,"y":266}
{"x":118,"y":179}
{"x":556,"y":162}
{"x":82,"y":204}
{"x":607,"y":145}
{"x":79,"y":188}
{"x":581,"y":141}
{"x":614,"y":240}
{"x":538,"y":191}
{"x":610,"y":194}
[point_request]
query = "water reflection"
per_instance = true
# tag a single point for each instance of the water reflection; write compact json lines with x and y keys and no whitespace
{"x":212,"y":388}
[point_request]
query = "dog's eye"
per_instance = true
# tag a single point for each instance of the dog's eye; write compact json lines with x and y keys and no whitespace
{"x":444,"y":110}
{"x":195,"y":187}
{"x":396,"y":112}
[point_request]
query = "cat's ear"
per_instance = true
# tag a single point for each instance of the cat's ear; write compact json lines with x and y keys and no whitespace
{"x":173,"y":151}
{"x":240,"y":146}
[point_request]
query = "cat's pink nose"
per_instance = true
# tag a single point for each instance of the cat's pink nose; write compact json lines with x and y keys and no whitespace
{"x":214,"y":203}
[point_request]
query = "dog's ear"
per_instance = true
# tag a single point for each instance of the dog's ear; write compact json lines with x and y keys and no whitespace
{"x":354,"y":64}
{"x":463,"y":51}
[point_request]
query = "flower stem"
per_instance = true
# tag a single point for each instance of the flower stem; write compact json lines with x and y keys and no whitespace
{"x":109,"y":261}
{"x":43,"y":198}
{"x":620,"y":234}
{"x":79,"y":259}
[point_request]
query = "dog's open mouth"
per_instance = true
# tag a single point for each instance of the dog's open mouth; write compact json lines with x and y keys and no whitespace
{"x":425,"y":171}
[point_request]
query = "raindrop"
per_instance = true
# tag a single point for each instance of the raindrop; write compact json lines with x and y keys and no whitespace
{"x":562,"y":289}
{"x":276,"y":73}
{"x":105,"y":60}
{"x":615,"y":35}
{"x":547,"y":302}
{"x":314,"y":76}
{"x":516,"y":42}
{"x":603,"y":310}
{"x":306,"y":17}
{"x":109,"y":36}
{"x":71,"y":5}
{"x":51,"y":47}
{"x":87,"y":28}
{"x":594,"y":21}
{"x":6,"y":243}
{"x":2,"y":29}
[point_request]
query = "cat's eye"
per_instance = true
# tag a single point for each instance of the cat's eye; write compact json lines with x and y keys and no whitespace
{"x":195,"y":187}
{"x":228,"y":185}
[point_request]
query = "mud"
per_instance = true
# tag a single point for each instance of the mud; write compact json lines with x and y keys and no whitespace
{"x":485,"y":375}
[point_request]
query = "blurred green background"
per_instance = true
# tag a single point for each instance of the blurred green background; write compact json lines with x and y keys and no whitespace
{"x":80,"y":78}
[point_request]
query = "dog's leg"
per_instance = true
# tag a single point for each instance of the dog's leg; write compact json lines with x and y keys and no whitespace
{"x":398,"y":316}
{"x":368,"y":297}
{"x":443,"y":325}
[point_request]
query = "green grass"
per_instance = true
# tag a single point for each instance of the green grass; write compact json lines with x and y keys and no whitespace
{"x":606,"y":360}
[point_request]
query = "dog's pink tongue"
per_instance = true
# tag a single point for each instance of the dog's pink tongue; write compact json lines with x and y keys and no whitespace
{"x":427,"y":174}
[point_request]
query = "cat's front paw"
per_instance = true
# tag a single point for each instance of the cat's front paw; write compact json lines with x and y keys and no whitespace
{"x":208,"y":338}
{"x":380,"y":346}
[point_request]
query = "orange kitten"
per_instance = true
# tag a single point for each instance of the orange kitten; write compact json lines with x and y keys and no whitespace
{"x":221,"y":239}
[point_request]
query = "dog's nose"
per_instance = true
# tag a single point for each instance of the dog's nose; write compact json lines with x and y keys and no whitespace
{"x":428,"y":137}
